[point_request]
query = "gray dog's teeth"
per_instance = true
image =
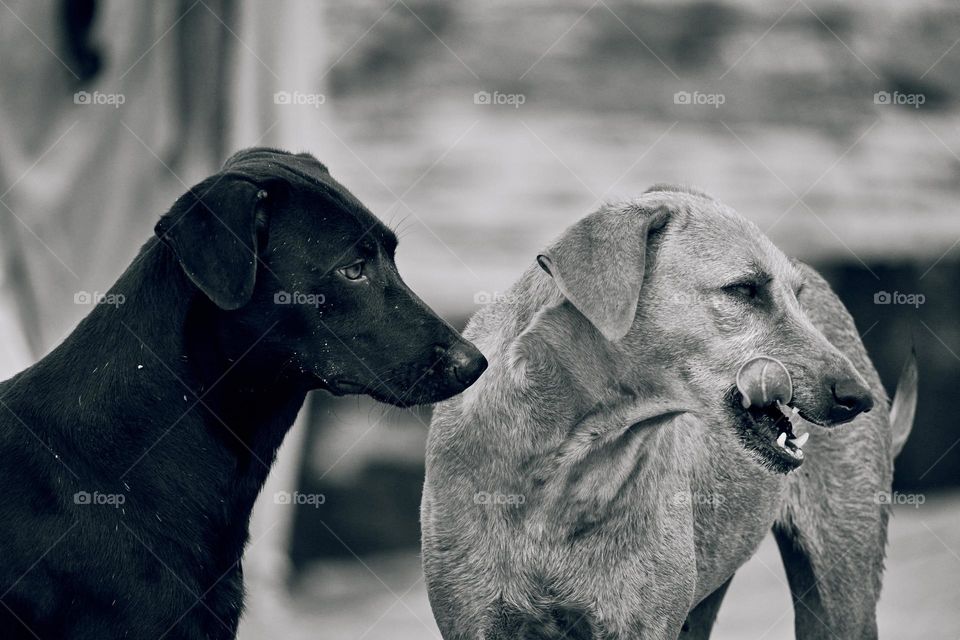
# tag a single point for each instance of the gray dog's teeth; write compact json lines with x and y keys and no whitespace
{"x":799,"y":441}
{"x":782,"y":440}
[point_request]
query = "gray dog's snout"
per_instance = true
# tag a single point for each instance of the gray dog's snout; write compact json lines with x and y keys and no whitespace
{"x":466,"y":363}
{"x":850,"y":399}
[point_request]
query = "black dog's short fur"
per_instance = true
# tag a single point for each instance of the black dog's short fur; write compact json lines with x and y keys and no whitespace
{"x":130,"y":457}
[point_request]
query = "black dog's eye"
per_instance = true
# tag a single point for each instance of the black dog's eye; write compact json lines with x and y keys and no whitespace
{"x":352,"y":271}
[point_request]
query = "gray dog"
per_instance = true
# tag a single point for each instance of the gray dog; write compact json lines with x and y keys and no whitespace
{"x":604,"y":480}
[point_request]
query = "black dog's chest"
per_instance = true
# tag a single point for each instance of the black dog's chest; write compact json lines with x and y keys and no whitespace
{"x":131,"y":594}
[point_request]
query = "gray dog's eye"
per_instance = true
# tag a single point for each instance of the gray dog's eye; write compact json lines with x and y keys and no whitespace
{"x":352,"y":271}
{"x":747,"y":290}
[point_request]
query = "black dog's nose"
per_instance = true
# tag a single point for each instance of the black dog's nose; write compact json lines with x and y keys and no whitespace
{"x":466,"y":363}
{"x":850,"y":399}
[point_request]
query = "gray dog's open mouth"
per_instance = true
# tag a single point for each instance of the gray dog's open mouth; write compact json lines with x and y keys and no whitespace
{"x":769,"y":433}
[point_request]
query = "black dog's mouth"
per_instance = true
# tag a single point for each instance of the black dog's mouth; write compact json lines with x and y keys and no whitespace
{"x":382,"y":393}
{"x":768,"y":433}
{"x":346,"y":387}
{"x":378,"y":391}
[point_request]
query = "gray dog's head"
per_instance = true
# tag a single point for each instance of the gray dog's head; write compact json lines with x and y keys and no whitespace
{"x":677,"y":281}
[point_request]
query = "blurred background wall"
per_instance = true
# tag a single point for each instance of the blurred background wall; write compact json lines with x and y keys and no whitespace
{"x":479,"y":131}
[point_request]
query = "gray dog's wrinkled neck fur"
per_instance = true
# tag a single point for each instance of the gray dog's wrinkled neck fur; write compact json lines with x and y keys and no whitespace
{"x":591,"y":487}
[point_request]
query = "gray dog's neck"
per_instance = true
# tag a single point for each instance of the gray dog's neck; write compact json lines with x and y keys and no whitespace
{"x":579,"y":422}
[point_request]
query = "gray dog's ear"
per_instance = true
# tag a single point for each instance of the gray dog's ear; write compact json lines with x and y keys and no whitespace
{"x":598,"y":265}
{"x":212,"y":229}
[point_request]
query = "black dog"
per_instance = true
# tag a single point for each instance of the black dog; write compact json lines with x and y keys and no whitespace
{"x":130,"y":457}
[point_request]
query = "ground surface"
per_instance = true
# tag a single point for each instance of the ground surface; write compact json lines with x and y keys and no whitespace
{"x":383,"y":598}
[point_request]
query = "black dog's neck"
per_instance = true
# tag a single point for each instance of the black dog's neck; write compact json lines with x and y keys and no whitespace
{"x":150,"y":394}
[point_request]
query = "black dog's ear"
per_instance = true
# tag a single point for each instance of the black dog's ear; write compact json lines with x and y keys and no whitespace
{"x":212,"y":229}
{"x":598,"y":265}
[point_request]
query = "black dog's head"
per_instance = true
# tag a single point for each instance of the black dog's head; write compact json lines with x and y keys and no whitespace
{"x":293,"y":260}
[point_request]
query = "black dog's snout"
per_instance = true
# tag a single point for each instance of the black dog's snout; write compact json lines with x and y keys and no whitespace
{"x":850,"y":399}
{"x":466,"y":363}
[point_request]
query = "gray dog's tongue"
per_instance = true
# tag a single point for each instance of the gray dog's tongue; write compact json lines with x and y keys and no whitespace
{"x":764,"y":380}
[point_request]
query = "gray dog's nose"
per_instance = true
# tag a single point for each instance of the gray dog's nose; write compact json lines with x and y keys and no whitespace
{"x":850,"y":399}
{"x":466,"y":362}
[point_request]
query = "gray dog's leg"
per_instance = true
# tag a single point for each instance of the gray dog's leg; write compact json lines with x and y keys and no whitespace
{"x":834,"y":577}
{"x":700,"y":621}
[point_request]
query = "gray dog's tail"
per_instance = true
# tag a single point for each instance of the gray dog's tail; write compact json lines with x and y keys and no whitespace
{"x":904,"y":405}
